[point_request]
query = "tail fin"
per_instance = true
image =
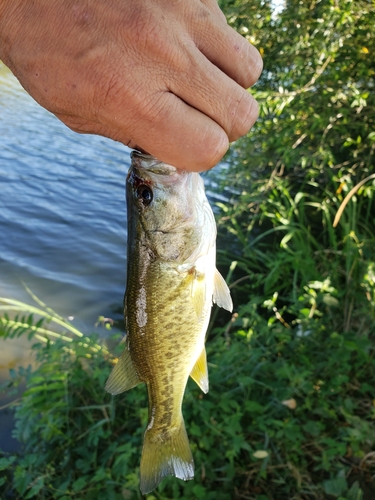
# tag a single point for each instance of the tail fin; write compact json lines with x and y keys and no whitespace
{"x":165,"y":456}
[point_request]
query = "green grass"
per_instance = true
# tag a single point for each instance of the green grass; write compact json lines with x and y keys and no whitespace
{"x":301,"y":393}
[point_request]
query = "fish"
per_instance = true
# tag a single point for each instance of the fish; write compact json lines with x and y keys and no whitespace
{"x":171,"y":284}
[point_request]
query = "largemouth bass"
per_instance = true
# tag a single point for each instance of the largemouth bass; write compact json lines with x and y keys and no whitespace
{"x":172,"y":282}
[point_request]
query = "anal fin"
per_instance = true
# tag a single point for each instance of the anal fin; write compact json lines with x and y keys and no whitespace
{"x":200,"y":372}
{"x":123,"y":376}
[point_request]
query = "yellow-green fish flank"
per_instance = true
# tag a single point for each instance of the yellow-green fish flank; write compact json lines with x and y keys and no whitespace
{"x":172,"y":282}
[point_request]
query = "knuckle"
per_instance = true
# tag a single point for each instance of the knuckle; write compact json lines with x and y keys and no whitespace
{"x":211,"y":149}
{"x":249,"y":62}
{"x":244,"y":116}
{"x":149,"y":37}
{"x":213,"y":6}
{"x":256,"y":65}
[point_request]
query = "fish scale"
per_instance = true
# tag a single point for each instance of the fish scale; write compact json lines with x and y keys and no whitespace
{"x":160,"y":354}
{"x":172,"y":282}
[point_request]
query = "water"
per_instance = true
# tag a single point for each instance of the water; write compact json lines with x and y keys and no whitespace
{"x":62,"y":220}
{"x":62,"y":210}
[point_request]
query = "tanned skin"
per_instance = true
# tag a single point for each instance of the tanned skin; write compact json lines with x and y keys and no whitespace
{"x":165,"y":76}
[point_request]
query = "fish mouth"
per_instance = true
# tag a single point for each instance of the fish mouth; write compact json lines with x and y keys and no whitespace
{"x":143,"y":160}
{"x":146,"y":169}
{"x":152,"y":165}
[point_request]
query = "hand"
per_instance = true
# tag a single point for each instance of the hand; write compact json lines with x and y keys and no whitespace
{"x":166,"y":76}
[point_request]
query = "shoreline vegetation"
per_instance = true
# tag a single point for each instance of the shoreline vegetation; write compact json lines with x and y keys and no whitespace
{"x":290,"y":414}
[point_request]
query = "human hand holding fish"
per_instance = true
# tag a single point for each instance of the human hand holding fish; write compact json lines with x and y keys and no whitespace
{"x":172,"y":282}
{"x":166,"y":76}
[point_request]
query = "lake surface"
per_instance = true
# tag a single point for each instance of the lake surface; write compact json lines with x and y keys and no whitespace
{"x":62,"y":210}
{"x":62,"y":219}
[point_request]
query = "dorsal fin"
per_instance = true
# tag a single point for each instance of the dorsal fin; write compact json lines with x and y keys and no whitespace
{"x":200,"y":373}
{"x":221,"y":295}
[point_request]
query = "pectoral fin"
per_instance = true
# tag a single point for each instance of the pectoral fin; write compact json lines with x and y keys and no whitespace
{"x":200,"y":373}
{"x":221,"y":295}
{"x":198,"y":292}
{"x":123,"y":376}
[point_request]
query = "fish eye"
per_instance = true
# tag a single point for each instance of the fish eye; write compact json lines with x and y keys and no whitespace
{"x":144,"y":194}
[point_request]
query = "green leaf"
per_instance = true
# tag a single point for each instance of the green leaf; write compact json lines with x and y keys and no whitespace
{"x":355,"y":492}
{"x":253,"y":407}
{"x":36,"y":487}
{"x":80,"y":483}
{"x":335,"y":487}
{"x":199,"y":491}
{"x":6,"y":462}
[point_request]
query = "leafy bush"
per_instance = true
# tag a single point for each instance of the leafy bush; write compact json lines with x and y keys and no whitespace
{"x":301,"y":398}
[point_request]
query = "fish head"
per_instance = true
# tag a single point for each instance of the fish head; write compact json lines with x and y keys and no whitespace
{"x":167,"y":209}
